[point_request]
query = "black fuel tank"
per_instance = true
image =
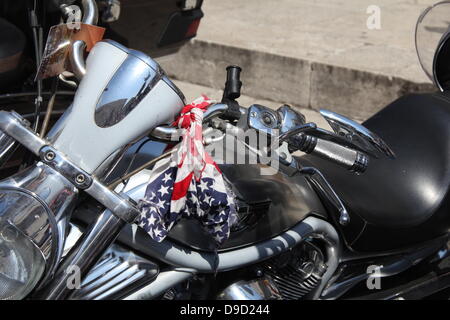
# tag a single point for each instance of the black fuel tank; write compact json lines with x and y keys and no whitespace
{"x":283,"y":201}
{"x":278,"y":201}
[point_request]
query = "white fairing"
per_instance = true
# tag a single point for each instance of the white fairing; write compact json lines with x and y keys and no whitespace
{"x":80,"y":136}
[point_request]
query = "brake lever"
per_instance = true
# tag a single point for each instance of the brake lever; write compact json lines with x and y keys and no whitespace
{"x":304,"y":128}
{"x":316,"y":178}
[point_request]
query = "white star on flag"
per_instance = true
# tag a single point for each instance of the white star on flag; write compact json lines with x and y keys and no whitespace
{"x":188,"y":185}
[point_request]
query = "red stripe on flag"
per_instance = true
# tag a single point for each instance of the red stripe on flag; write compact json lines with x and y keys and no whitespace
{"x":180,"y":188}
{"x":209,"y":159}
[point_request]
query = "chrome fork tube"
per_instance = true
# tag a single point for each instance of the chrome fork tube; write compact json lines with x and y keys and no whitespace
{"x":7,"y":147}
{"x":82,"y":257}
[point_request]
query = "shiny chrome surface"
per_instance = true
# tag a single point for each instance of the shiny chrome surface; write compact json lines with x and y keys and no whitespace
{"x":151,"y":63}
{"x":76,"y":56}
{"x":90,"y":12}
{"x":263,"y":119}
{"x":357,"y":134}
{"x":165,"y":280}
{"x":77,"y":59}
{"x":321,"y":184}
{"x":84,"y":254}
{"x":7,"y":147}
{"x":60,"y":163}
{"x":16,"y":127}
{"x":205,"y":262}
{"x":41,"y":186}
{"x":214,"y":110}
{"x":258,"y":289}
{"x":168,"y":133}
{"x":134,"y":79}
{"x":120,"y":205}
{"x":289,"y":118}
{"x":283,"y":123}
{"x":117,"y":273}
{"x":348,"y":158}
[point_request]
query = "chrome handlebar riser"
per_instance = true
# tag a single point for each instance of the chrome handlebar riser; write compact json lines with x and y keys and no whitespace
{"x":7,"y":147}
{"x":13,"y":125}
{"x":16,"y":129}
{"x":90,"y":16}
{"x":90,"y":12}
{"x":77,"y":59}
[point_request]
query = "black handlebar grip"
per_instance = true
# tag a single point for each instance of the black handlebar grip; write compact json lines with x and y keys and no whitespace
{"x":233,"y":84}
{"x":350,"y":159}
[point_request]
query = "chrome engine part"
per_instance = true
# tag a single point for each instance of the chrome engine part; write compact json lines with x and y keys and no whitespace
{"x":296,"y":273}
{"x":258,"y":289}
{"x":289,"y":276}
{"x":119,"y":272}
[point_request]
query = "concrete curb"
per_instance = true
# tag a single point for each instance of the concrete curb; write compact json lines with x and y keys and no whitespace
{"x":302,"y":83}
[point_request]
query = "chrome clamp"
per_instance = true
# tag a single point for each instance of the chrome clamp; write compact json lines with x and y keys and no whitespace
{"x":15,"y":127}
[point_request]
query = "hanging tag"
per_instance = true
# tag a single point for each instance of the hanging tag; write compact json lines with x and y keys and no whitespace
{"x":55,"y":59}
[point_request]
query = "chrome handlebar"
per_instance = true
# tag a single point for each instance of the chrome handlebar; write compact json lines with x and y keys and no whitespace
{"x":168,"y":133}
{"x":13,"y":125}
{"x":90,"y":12}
{"x":77,"y":59}
{"x":90,"y":16}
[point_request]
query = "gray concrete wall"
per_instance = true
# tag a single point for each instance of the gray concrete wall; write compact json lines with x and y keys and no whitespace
{"x":299,"y":82}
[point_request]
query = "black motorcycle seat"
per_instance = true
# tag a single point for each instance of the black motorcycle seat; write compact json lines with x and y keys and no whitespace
{"x":405,"y":200}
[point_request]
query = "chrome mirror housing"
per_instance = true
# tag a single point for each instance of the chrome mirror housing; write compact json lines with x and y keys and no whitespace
{"x":357,"y":135}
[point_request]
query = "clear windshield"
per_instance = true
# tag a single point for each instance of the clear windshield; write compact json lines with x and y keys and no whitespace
{"x":432,"y":26}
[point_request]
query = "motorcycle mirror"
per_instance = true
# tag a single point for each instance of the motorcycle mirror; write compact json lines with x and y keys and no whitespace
{"x":441,"y":65}
{"x":432,"y":43}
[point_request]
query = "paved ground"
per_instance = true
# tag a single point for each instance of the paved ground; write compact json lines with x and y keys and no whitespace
{"x":331,"y":31}
{"x":310,"y":54}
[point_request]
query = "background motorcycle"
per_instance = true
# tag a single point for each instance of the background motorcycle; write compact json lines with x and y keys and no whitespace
{"x":310,"y":231}
{"x":157,"y":27}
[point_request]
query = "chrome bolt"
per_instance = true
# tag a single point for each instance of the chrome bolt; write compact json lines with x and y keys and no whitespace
{"x":50,"y":156}
{"x":253,"y":114}
{"x":267,"y":119}
{"x":80,"y":178}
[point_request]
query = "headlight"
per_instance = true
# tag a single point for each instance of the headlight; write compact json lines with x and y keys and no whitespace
{"x":34,"y":207}
{"x":21,"y":263}
{"x":25,"y":243}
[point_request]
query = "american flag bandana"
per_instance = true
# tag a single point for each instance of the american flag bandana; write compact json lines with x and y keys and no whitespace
{"x":188,"y":184}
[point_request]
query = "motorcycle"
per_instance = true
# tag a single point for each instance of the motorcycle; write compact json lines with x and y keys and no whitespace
{"x":362,"y":213}
{"x":168,"y":26}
